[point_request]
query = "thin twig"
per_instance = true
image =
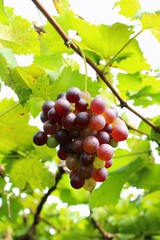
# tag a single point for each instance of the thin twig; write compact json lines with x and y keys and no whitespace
{"x":71,"y":44}
{"x":136,"y":130}
{"x":106,"y":235}
{"x":44,"y":198}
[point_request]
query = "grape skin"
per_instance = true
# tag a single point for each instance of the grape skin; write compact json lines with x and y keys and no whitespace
{"x":97,"y":122}
{"x":85,"y":172}
{"x":53,"y":116}
{"x":69,"y":120}
{"x":98,"y":105}
{"x":73,"y":95}
{"x":110,"y":115}
{"x":51,"y":142}
{"x":49,"y":128}
{"x":90,"y":144}
{"x":86,"y":159}
{"x":82,"y":119}
{"x":77,"y":145}
{"x":103,"y":137}
{"x":47,"y":106}
{"x":108,"y":163}
{"x":62,"y":136}
{"x":76,"y":182}
{"x":119,"y":132}
{"x":43,"y":117}
{"x":81,"y":105}
{"x":72,"y":161}
{"x":62,"y":106}
{"x":100,"y":175}
{"x":105,"y":152}
{"x":40,"y":138}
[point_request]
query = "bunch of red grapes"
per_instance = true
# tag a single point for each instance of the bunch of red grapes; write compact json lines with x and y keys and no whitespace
{"x":85,"y":132}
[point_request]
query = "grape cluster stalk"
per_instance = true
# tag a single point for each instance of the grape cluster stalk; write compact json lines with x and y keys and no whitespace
{"x":85,"y":132}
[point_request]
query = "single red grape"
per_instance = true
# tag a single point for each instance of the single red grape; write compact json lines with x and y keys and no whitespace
{"x":72,"y":161}
{"x":85,"y":172}
{"x":49,"y":128}
{"x":40,"y":138}
{"x":100,"y":175}
{"x":47,"y":105}
{"x":53,"y":116}
{"x":90,"y":144}
{"x":107,"y":128}
{"x":61,"y":95}
{"x":76,"y":182}
{"x":97,"y":122}
{"x":73,"y":94}
{"x":77,"y":145}
{"x":43,"y":117}
{"x":81,"y":105}
{"x":62,"y":155}
{"x":98,"y":105}
{"x":82,"y":119}
{"x":86,"y":159}
{"x":110,"y":115}
{"x":62,"y":136}
{"x":108,"y":163}
{"x":87,"y":131}
{"x":62,"y":106}
{"x":120,"y":132}
{"x":105,"y":152}
{"x":103,"y":137}
{"x":69,"y":120}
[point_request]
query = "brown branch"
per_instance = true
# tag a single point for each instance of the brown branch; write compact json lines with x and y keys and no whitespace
{"x":71,"y":44}
{"x":141,"y":132}
{"x":106,"y":235}
{"x":31,"y":233}
{"x":44,"y":198}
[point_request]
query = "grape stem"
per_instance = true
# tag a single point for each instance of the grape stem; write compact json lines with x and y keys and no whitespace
{"x":71,"y":44}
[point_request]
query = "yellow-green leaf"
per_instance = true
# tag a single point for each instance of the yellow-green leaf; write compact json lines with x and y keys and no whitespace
{"x":152,"y":22}
{"x":15,"y":132}
{"x":19,"y":35}
{"x":128,"y":8}
{"x":3,"y":15}
{"x":32,"y":172}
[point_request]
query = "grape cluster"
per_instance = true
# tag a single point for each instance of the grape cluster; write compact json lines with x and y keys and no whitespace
{"x":85,"y":132}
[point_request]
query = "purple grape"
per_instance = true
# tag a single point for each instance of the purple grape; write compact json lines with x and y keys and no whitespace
{"x":73,"y":94}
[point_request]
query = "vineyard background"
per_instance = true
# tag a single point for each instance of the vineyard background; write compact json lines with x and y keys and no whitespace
{"x":36,"y":199}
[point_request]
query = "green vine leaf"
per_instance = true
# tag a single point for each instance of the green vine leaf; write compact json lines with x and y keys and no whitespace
{"x":18,"y":131}
{"x":152,"y":22}
{"x":3,"y":15}
{"x":115,"y":181}
{"x":19,"y":35}
{"x":30,"y":171}
{"x":108,"y":41}
{"x":70,"y":78}
{"x":128,"y":8}
{"x":143,"y":89}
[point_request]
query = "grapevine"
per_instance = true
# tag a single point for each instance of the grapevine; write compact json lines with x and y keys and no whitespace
{"x":84,"y":131}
